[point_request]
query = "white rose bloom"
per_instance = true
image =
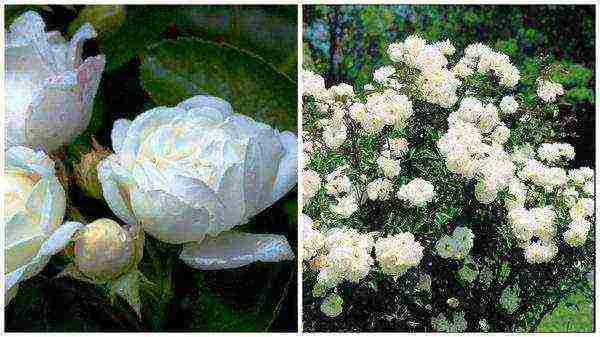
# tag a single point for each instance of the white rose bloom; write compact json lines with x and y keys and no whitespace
{"x":577,"y":233}
{"x":312,"y":240}
{"x":49,"y":90}
{"x":35,"y":206}
{"x":500,"y":134}
{"x":311,"y":183}
{"x":396,"y":51}
{"x":540,"y":252}
{"x":418,"y":192}
{"x":345,"y":206}
{"x":342,"y":91}
{"x":583,"y":209}
{"x":446,"y":47}
{"x":389,"y":166}
{"x":396,"y":254}
{"x":190,"y":173}
{"x":553,"y":153}
{"x":463,"y":69}
{"x":393,"y":108}
{"x":313,"y":84}
{"x":379,"y":189}
{"x":334,"y":137}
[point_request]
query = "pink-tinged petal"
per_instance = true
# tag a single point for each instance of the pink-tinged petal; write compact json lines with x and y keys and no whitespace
{"x":168,"y":218}
{"x":88,"y":77}
{"x":287,"y":174}
{"x":233,"y":250}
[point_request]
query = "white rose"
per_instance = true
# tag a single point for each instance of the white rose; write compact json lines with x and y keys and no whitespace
{"x":49,"y":91}
{"x":190,"y":173}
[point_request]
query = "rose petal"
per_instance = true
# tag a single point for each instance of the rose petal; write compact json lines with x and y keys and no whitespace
{"x":233,"y":250}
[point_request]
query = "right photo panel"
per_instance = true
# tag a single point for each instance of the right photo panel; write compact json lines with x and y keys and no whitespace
{"x":447,"y":172}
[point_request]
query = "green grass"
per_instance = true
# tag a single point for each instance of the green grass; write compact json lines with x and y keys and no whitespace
{"x":576,"y":314}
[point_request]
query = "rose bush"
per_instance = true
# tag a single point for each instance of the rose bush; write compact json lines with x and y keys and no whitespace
{"x":451,"y":199}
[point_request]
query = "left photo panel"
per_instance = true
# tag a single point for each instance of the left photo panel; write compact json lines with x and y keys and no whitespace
{"x":150,"y":168}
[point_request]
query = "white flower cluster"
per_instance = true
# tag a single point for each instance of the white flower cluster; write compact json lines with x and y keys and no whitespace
{"x":418,"y":192}
{"x":348,"y":257}
{"x":311,"y":184}
{"x":483,"y":59}
{"x":473,"y":147}
{"x":379,"y":189}
{"x":548,"y":91}
{"x":553,"y":153}
{"x":533,"y":186}
{"x":396,"y":254}
{"x":312,"y":239}
{"x":438,"y":84}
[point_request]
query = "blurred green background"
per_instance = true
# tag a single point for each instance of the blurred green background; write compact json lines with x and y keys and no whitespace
{"x":346,"y":43}
{"x":161,"y":55}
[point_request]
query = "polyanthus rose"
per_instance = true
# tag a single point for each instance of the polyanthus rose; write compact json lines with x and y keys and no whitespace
{"x":35,"y":206}
{"x":418,"y":192}
{"x":192,"y":172}
{"x":49,"y":91}
{"x":396,"y":254}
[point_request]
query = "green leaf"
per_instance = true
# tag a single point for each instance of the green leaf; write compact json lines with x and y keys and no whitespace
{"x":173,"y":71}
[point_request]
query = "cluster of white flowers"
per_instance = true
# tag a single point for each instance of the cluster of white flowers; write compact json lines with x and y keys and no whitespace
{"x":533,"y":186}
{"x":437,"y":83}
{"x":396,"y":254}
{"x":547,"y":91}
{"x":311,"y":184}
{"x":553,"y":153}
{"x":379,"y":189}
{"x":473,"y":147}
{"x":484,"y":59}
{"x":418,"y":192}
{"x":348,"y":257}
{"x":390,"y":166}
{"x":312,"y":239}
{"x":550,"y":178}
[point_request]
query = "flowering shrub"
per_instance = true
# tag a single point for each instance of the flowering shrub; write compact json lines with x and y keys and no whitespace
{"x":436,"y":180}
